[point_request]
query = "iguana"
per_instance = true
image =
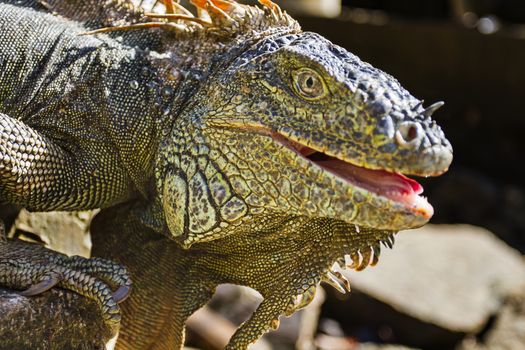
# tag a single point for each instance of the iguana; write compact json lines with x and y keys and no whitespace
{"x":224,"y":147}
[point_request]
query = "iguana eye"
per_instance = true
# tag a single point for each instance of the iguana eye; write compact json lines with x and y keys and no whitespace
{"x":308,"y":84}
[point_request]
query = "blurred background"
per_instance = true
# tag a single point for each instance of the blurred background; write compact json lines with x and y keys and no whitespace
{"x":458,"y":283}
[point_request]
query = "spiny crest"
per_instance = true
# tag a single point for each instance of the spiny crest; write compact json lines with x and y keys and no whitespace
{"x":225,"y":18}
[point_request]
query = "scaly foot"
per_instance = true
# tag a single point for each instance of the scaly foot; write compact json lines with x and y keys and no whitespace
{"x":35,"y":269}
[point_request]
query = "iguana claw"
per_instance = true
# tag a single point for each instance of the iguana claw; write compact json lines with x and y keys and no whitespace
{"x":121,"y":294}
{"x":41,"y":287}
{"x":35,"y":269}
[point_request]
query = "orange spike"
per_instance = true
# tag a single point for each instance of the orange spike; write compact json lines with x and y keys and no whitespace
{"x":169,"y":6}
{"x":175,"y":6}
{"x":201,"y":4}
{"x":269,"y":4}
{"x":223,"y":5}
{"x":172,"y":17}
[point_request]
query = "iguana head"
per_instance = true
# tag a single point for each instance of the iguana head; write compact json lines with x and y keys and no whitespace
{"x":298,"y":126}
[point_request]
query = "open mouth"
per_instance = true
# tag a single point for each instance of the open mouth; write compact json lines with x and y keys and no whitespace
{"x":393,"y":186}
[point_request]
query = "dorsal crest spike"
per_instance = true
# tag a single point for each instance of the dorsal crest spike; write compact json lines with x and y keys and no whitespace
{"x":223,"y":18}
{"x":220,"y":4}
{"x":218,"y":13}
{"x":270,"y":4}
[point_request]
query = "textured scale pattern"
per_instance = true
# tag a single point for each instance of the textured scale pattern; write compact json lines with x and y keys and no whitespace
{"x":27,"y":265}
{"x":189,"y":132}
{"x":284,"y":258}
{"x":46,"y":105}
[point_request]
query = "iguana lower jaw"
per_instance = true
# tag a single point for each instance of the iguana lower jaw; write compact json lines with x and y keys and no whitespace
{"x":395,"y":187}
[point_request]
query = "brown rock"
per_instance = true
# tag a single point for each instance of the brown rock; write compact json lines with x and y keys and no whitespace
{"x":66,"y":232}
{"x":453,"y":276}
{"x":507,"y":332}
{"x":55,"y":320}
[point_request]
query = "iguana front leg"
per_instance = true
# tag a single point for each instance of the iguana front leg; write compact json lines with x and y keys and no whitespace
{"x":38,"y":174}
{"x":266,"y":317}
{"x":168,"y":285}
{"x":35,"y":269}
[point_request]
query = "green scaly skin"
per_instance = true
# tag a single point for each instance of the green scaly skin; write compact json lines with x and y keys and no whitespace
{"x":197,"y":137}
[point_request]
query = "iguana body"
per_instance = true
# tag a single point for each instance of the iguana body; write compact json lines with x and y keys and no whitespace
{"x":263,"y":153}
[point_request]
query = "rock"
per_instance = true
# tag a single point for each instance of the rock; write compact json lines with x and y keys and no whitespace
{"x":66,"y":232}
{"x":214,"y":331}
{"x":231,"y":305}
{"x":327,"y":342}
{"x":454,"y":277}
{"x":438,"y":285}
{"x":55,"y":320}
{"x":507,"y":330}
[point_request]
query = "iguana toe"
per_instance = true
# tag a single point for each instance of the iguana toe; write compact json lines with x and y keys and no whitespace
{"x":121,"y":294}
{"x":115,"y":275}
{"x":34,"y":269}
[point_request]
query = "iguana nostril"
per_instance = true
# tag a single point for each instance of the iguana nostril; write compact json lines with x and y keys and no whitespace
{"x":409,"y":134}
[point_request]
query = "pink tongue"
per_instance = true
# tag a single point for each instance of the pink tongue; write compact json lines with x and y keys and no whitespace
{"x":396,"y":187}
{"x":378,"y":181}
{"x":416,"y":186}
